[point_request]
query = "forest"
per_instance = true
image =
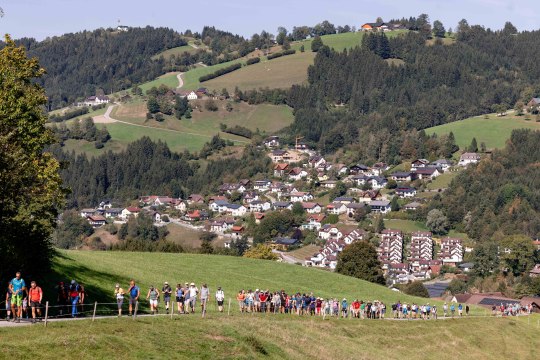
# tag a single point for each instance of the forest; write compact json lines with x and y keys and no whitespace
{"x":360,"y":90}
{"x":101,"y":61}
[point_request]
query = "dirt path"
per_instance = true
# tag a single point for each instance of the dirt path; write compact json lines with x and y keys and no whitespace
{"x":107,"y":119}
{"x":180,"y":80}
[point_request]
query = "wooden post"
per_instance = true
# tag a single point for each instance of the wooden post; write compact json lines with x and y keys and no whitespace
{"x":229,"y":311}
{"x":94,"y":314}
{"x":46,"y":312}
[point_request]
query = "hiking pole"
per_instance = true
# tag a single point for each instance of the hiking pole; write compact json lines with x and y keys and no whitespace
{"x":229,"y":310}
{"x":94,"y":314}
{"x":46,"y":312}
{"x":204,"y":308}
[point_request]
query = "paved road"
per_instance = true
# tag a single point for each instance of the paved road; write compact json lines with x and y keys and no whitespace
{"x":286,"y":258}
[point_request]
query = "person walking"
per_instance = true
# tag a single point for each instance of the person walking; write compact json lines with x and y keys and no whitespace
{"x":241,"y":297}
{"x":220,"y":297}
{"x":18,"y":289}
{"x":62,"y":298}
{"x":453,"y":309}
{"x":205,"y":294}
{"x":344,"y":308}
{"x":460,"y":310}
{"x":193,"y":292}
{"x":166,"y":291}
{"x":134,"y":294}
{"x":9,"y":294}
{"x":119,"y":295}
{"x":82,"y":296}
{"x":467,"y":310}
{"x":445,"y":310}
{"x":74,"y":295}
{"x":35,"y":296}
{"x":179,"y":291}
{"x":152,"y":297}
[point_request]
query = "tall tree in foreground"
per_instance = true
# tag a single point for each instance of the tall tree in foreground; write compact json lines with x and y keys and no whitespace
{"x":29,"y":179}
{"x":360,"y":260}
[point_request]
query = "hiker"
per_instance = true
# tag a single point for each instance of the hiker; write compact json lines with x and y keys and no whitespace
{"x":445,"y":310}
{"x":166,"y":291}
{"x":262,"y":299}
{"x":453,"y":309}
{"x":249,"y":301}
{"x":434,"y":312}
{"x":179,"y":291}
{"x":74,"y":295}
{"x":205,"y":294}
{"x":62,"y":297}
{"x":18,"y":289}
{"x":134,"y":293}
{"x":220,"y":297}
{"x":82,"y":296}
{"x":119,"y":295}
{"x":9,"y":294}
{"x":460,"y":310}
{"x":152,"y":297}
{"x":467,"y":310}
{"x":344,"y":308}
{"x":35,"y":296}
{"x":193,"y":292}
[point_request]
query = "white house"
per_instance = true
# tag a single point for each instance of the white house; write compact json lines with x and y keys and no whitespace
{"x":113,"y":212}
{"x":380,"y":206}
{"x":451,"y":252}
{"x":377,"y":182}
{"x":282,"y":205}
{"x":218,"y":206}
{"x":297,"y":173}
{"x":336,"y":208}
{"x":406,"y":192}
{"x":262,"y":185}
{"x":272,"y":142}
{"x":314,"y":222}
{"x":220,"y":226}
{"x":300,"y":196}
{"x":236,"y":210}
{"x":192,"y":96}
{"x":96,"y":220}
{"x":88,"y":212}
{"x":259,"y":206}
{"x":468,"y":158}
{"x":312,"y":207}
{"x":390,"y":248}
{"x":96,"y":100}
{"x":129,"y":212}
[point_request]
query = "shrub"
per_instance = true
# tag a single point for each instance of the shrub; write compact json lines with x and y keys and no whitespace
{"x":416,"y":288}
{"x":220,"y":72}
{"x":253,"y":61}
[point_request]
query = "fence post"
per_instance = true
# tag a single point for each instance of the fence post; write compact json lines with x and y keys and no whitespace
{"x":229,"y":311}
{"x":94,"y":314}
{"x":172,"y":308}
{"x":46,"y":312}
{"x":136,"y":308}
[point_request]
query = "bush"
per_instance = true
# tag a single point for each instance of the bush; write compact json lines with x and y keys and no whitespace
{"x":416,"y":288}
{"x":98,"y":145}
{"x":210,"y":105}
{"x":69,"y":114}
{"x":159,"y":117}
{"x":220,"y":72}
{"x":149,"y":116}
{"x":253,"y":61}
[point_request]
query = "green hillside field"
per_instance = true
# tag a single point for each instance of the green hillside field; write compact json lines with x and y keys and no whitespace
{"x":493,"y":131}
{"x":252,"y":336}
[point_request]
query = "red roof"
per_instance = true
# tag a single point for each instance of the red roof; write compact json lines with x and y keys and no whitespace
{"x":133,"y":209}
{"x":237,"y":228}
{"x":281,"y":166}
{"x":259,"y":216}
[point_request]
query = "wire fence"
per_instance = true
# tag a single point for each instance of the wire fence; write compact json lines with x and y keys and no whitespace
{"x":231,"y":307}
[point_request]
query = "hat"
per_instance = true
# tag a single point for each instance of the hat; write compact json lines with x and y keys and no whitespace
{"x":256,"y":289}
{"x":166,"y":283}
{"x":192,"y":284}
{"x":117,"y":285}
{"x":73,"y":281}
{"x":344,"y":299}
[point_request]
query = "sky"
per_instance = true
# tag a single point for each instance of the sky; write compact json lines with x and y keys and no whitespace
{"x":42,"y":18}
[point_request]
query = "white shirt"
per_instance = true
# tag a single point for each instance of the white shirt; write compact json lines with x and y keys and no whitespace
{"x":220,"y":295}
{"x":193,"y":291}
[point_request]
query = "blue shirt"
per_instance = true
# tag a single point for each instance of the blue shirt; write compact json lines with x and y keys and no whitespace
{"x":134,"y":291}
{"x":17,"y":285}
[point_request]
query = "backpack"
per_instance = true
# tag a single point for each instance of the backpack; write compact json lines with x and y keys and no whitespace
{"x":74,"y":290}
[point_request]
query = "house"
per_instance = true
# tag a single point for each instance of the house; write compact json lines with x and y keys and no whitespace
{"x":421,"y":248}
{"x":258,"y":218}
{"x":276,"y":187}
{"x":297,"y":173}
{"x":282,"y":205}
{"x":280,"y":169}
{"x":88,"y":212}
{"x":235,"y":210}
{"x":442,"y":164}
{"x":355,"y":235}
{"x":379,"y":168}
{"x":427,"y":173}
{"x":466,"y":267}
{"x":403,"y":176}
{"x":195,"y":199}
{"x":405,"y":192}
{"x":280,"y":156}
{"x":359,"y":169}
{"x":413,"y":206}
{"x":301,"y":196}
{"x":156,"y":217}
{"x":312,"y":207}
{"x":220,"y":226}
{"x":316,"y":161}
{"x":336,"y":208}
{"x":96,"y":220}
{"x":230,"y":188}
{"x":249,"y":197}
{"x":314,"y":222}
{"x":376,"y":26}
{"x":129,"y":212}
{"x":283,"y":243}
{"x":113,"y":212}
{"x":96,"y":100}
{"x":272,"y":142}
{"x":451,"y":252}
{"x":535,"y":271}
{"x":322,"y":176}
{"x":340,"y":169}
{"x":353,"y":208}
{"x":196,"y":215}
{"x":377,"y":182}
{"x":262,"y":185}
{"x":237,"y":231}
{"x":192,"y":95}
{"x":468,"y":158}
{"x":329,"y":184}
{"x":534,"y":103}
{"x":328,"y":231}
{"x":380,"y":206}
{"x":419,"y":163}
{"x":122,"y":28}
{"x":344,"y":200}
{"x":259,"y":206}
{"x":180,"y":205}
{"x":219,"y":206}
{"x":368,"y":195}
{"x":360,"y":179}
{"x":390,"y":248}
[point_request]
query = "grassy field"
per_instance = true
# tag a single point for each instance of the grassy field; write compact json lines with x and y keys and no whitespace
{"x":442,"y":181}
{"x":304,"y":252}
{"x":175,"y":51}
{"x":184,"y":236}
{"x":277,"y":337}
{"x":493,"y":131}
{"x":407,"y":226}
{"x":168,"y":79}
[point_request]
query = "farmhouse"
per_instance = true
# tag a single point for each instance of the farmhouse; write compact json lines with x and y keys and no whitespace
{"x":468,"y":158}
{"x":380,"y":206}
{"x":96,"y":220}
{"x":442,"y":164}
{"x":129,"y":212}
{"x":96,"y":100}
{"x":413,"y":206}
{"x":297,"y":174}
{"x":534,"y":103}
{"x":280,"y":169}
{"x":359,"y":169}
{"x":427,"y":173}
{"x":419,"y":163}
{"x":272,"y":142}
{"x":195,"y":199}
{"x":402,"y":176}
{"x":376,"y":26}
{"x":406,"y":192}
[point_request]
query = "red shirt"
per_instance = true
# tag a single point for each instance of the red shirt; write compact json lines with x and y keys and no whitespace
{"x":263,"y":297}
{"x":35,"y":293}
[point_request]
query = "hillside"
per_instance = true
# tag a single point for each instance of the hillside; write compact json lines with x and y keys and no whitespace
{"x":277,"y":337}
{"x":490,"y":129}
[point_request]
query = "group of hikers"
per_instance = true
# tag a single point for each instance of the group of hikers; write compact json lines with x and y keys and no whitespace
{"x":72,"y":295}
{"x":186,"y":296}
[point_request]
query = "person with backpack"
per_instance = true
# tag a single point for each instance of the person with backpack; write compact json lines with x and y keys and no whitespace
{"x":460,"y":310}
{"x":205,"y":295}
{"x":152,"y":297}
{"x":82,"y":296}
{"x":74,"y":295}
{"x":119,"y":295}
{"x":453,"y":309}
{"x":467,"y":310}
{"x":179,"y":291}
{"x":193,"y":292}
{"x":9,"y":294}
{"x":18,"y":289}
{"x":220,"y":297}
{"x":166,"y":291}
{"x":62,"y":298}
{"x":134,"y":294}
{"x":344,"y":308}
{"x":35,"y":296}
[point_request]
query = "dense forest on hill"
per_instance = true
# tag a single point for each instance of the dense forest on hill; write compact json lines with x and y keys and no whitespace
{"x":146,"y":167}
{"x":434,"y":84}
{"x":501,"y":195}
{"x":89,"y":62}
